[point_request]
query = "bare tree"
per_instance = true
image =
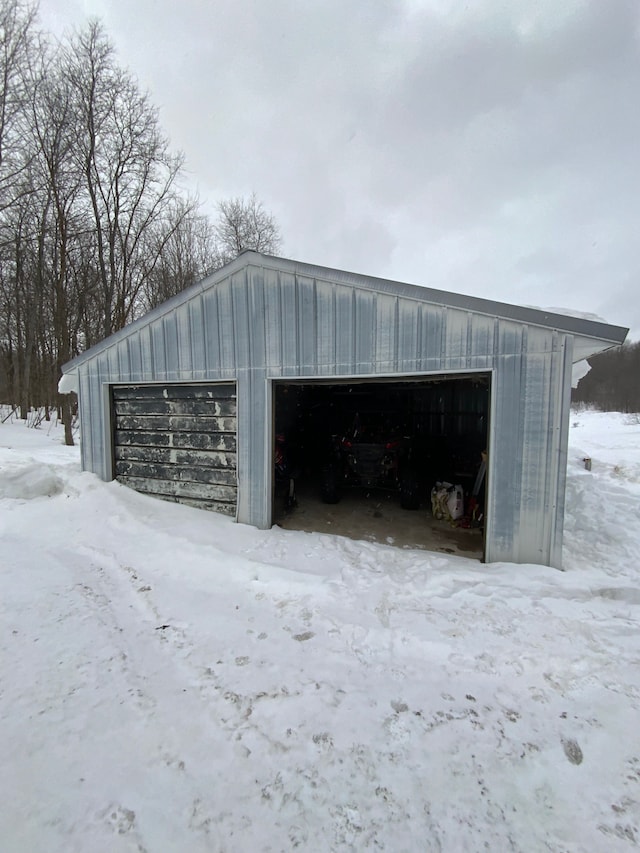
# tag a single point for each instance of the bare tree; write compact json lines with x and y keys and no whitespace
{"x":18,"y":315}
{"x":245,"y":224}
{"x":94,"y":228}
{"x":21,"y":297}
{"x":58,"y":185}
{"x":129,"y":173}
{"x":17,"y":20}
{"x":186,"y":254}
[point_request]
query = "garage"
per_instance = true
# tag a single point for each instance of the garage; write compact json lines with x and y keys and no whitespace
{"x":364,"y":453}
{"x":177,"y":442}
{"x":371,"y":390}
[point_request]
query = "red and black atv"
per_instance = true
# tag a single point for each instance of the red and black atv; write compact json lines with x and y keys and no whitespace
{"x":371,"y":454}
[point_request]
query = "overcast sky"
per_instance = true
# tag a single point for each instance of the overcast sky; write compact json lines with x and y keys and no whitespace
{"x":488,"y":147}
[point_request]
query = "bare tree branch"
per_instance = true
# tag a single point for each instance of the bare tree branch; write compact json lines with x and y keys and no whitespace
{"x":245,"y":224}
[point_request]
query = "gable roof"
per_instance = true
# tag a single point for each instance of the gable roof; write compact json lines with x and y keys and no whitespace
{"x":591,"y":336}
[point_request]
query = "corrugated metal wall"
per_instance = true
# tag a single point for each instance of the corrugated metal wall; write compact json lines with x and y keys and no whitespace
{"x":262,"y":323}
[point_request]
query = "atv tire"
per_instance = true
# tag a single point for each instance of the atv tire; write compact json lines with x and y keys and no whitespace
{"x":330,"y":489}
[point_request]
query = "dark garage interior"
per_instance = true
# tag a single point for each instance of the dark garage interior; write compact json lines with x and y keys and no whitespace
{"x":360,"y":458}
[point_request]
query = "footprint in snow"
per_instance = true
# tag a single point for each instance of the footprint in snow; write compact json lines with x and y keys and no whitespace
{"x":306,"y":635}
{"x":120,"y":819}
{"x":572,"y":751}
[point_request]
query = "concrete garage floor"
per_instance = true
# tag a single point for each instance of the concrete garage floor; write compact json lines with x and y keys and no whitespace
{"x":378,"y":517}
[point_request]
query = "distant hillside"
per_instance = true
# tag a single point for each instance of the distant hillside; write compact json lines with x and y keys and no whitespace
{"x":613,"y":383}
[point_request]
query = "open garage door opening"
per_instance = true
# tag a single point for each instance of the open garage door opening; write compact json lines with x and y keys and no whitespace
{"x":363,"y":458}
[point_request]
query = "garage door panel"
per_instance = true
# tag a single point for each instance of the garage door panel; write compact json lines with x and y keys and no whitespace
{"x":198,"y":441}
{"x":177,"y":473}
{"x":173,"y":456}
{"x":170,"y":488}
{"x":218,"y":506}
{"x":200,"y":408}
{"x":195,"y":423}
{"x":177,"y":392}
{"x":177,"y":442}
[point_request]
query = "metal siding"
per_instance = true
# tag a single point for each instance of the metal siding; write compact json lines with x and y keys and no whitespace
{"x":254,"y":457}
{"x":559,"y":467}
{"x":265,"y":323}
{"x":135,"y":357}
{"x":273,"y":320}
{"x":365,"y":332}
{"x":456,"y":341}
{"x":122,"y":351}
{"x":197,"y":337}
{"x":110,"y":361}
{"x":326,"y":328}
{"x":551,"y":394}
{"x":212,"y":357}
{"x":386,"y":330}
{"x":249,"y":487}
{"x":98,"y":432}
{"x":589,"y":337}
{"x":169,"y":342}
{"x":287,"y":323}
{"x":158,"y":352}
{"x":240,"y":320}
{"x":480,"y":341}
{"x":542,"y":439}
{"x":87,"y":425}
{"x":548,"y":455}
{"x":225,"y":326}
{"x":504,"y":461}
{"x":145,"y":342}
{"x":307,"y":325}
{"x":506,"y":452}
{"x":431,"y":319}
{"x":256,"y":319}
{"x":345,"y":330}
{"x":408,"y":319}
{"x":184,"y":338}
{"x":468,"y":343}
{"x":535,"y":441}
{"x":556,"y":434}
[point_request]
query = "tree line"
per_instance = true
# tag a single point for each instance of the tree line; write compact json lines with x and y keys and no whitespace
{"x":613,"y":383}
{"x":95,"y":225}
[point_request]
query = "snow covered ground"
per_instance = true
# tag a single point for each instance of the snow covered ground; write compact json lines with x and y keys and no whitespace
{"x":172,"y":681}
